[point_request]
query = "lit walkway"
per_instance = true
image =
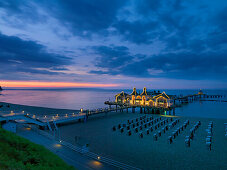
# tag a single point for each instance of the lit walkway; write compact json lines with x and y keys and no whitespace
{"x":69,"y":156}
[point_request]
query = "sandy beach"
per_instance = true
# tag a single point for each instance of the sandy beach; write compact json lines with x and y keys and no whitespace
{"x":144,"y":153}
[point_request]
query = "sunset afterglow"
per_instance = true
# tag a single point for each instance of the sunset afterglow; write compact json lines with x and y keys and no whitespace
{"x":52,"y":84}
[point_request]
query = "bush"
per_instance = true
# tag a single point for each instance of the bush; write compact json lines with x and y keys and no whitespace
{"x":19,"y":153}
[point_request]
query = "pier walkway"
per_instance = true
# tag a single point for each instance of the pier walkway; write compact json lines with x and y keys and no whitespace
{"x":42,"y":121}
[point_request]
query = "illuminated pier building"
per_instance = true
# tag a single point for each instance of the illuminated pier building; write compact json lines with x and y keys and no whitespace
{"x":146,"y":98}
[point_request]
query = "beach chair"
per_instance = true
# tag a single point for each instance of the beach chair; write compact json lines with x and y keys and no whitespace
{"x":191,"y":135}
{"x":122,"y":130}
{"x":170,"y":139}
{"x":136,"y":129}
{"x":147,"y":131}
{"x":187,"y":141}
{"x":155,"y":127}
{"x":129,"y":133}
{"x":208,"y":144}
{"x":178,"y":129}
{"x":164,"y":130}
{"x":151,"y":129}
{"x":173,"y":135}
{"x":208,"y":139}
{"x":155,"y":137}
{"x":159,"y":133}
{"x":141,"y":134}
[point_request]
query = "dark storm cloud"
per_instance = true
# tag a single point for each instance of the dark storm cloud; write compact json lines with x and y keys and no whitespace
{"x":17,"y":55}
{"x":112,"y":56}
{"x":24,"y":11}
{"x":183,"y":65}
{"x":81,"y":17}
{"x":137,"y":32}
{"x":84,"y":16}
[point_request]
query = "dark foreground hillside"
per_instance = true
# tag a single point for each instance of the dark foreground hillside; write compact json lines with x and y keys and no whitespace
{"x":19,"y":153}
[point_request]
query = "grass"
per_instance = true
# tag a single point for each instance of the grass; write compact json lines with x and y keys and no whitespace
{"x":17,"y":153}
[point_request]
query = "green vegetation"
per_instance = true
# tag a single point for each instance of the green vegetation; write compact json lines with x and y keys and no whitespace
{"x":19,"y":153}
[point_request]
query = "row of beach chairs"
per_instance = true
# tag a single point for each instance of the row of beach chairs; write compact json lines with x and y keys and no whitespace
{"x":138,"y":127}
{"x":166,"y":128}
{"x":176,"y":132}
{"x":189,"y":138}
{"x":209,"y":135}
{"x":142,"y":121}
{"x":144,"y":125}
{"x":158,"y":125}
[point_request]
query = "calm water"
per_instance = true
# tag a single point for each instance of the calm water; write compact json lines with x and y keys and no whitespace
{"x":94,"y":98}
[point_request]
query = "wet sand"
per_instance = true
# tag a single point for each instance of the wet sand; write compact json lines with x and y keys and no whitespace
{"x":146,"y":153}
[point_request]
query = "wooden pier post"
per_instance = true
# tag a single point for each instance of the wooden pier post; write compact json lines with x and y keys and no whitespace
{"x":141,"y":110}
{"x":116,"y":108}
{"x":133,"y":109}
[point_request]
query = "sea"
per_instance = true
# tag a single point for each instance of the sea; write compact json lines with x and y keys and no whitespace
{"x":89,"y":98}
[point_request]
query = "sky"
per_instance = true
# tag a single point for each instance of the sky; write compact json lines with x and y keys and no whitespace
{"x":160,"y":44}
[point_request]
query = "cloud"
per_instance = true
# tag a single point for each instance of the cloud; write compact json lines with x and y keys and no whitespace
{"x":137,"y":32}
{"x":181,"y":65}
{"x":81,"y":17}
{"x":192,"y":34}
{"x":17,"y":55}
{"x":112,"y":56}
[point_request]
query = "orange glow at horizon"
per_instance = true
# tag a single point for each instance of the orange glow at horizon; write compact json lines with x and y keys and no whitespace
{"x":52,"y":84}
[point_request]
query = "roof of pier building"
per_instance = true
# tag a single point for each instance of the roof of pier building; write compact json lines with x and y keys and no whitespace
{"x":134,"y":92}
{"x":122,"y":94}
{"x":163,"y":94}
{"x":144,"y":91}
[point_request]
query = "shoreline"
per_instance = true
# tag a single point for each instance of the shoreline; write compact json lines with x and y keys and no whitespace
{"x":47,"y":110}
{"x":18,"y":108}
